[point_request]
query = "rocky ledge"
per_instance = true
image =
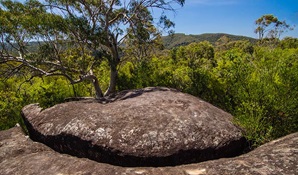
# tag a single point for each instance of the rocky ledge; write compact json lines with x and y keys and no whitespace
{"x":146,"y":127}
{"x":20,"y":155}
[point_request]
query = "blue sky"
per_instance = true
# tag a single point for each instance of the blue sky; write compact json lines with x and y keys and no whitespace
{"x":232,"y":16}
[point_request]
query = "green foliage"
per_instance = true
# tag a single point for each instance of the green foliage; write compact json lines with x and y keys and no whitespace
{"x":269,"y":101}
{"x":288,"y":43}
{"x":47,"y":92}
{"x":10,"y":105}
{"x":255,"y":83}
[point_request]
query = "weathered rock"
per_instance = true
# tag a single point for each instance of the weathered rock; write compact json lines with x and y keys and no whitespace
{"x":147,"y":127}
{"x":20,"y":155}
{"x":276,"y":157}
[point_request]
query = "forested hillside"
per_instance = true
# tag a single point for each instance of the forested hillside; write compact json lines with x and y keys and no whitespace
{"x":180,"y":39}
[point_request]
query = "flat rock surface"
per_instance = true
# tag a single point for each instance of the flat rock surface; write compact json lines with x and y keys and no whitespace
{"x":19,"y":155}
{"x":147,"y":127}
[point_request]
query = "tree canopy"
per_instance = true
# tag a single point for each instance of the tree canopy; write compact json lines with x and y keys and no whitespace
{"x":271,"y":27}
{"x":73,"y":37}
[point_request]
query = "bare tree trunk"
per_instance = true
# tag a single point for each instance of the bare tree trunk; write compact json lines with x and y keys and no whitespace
{"x":113,"y":81}
{"x":113,"y":66}
{"x":98,"y":92}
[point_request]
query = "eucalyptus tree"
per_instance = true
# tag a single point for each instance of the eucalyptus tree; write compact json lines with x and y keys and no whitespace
{"x":71,"y":38}
{"x":271,"y":27}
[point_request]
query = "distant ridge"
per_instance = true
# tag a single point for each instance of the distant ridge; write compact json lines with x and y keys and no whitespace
{"x":180,"y":39}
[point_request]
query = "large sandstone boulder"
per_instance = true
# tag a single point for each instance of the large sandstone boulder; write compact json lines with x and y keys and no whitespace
{"x":147,"y":127}
{"x":19,"y":155}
